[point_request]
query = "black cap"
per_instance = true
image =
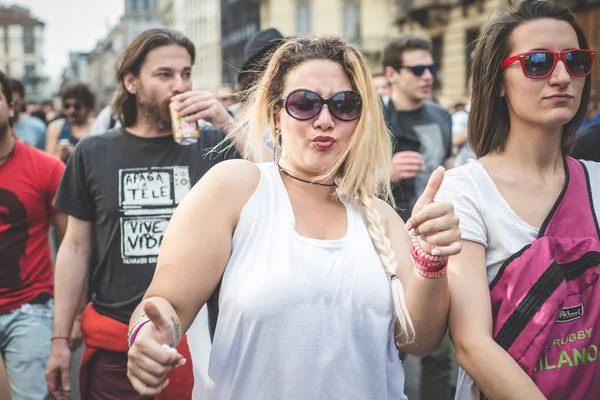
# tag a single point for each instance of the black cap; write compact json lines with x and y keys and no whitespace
{"x":258,"y":45}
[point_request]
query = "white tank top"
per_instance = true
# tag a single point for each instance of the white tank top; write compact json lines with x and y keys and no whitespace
{"x":301,"y":318}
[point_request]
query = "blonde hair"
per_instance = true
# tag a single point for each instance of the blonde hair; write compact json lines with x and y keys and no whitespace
{"x":362,"y":170}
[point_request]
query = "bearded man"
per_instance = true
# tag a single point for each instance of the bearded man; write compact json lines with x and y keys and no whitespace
{"x":119,"y":190}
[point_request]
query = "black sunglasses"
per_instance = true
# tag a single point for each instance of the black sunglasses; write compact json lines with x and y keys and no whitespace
{"x":77,"y":106}
{"x":419,"y":70}
{"x":304,"y":104}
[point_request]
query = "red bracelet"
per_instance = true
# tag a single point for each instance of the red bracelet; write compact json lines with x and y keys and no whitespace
{"x":425,"y":268}
{"x":432,"y":275}
{"x":59,"y":337}
{"x":427,"y":260}
{"x":427,"y":265}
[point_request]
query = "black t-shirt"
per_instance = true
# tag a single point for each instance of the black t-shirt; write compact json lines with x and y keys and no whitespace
{"x":587,"y":144}
{"x":428,"y":131}
{"x":128,"y":187}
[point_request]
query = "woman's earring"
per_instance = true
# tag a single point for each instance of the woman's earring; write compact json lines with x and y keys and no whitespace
{"x":277,"y":146}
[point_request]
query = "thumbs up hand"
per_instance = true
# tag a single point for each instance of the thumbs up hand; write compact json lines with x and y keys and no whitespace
{"x":435,"y":224}
{"x":151,"y":356}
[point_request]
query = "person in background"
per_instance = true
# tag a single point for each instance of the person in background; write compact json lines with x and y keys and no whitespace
{"x":29,"y":179}
{"x":31,"y":107}
{"x":78,"y":105}
{"x":460,"y":122}
{"x":256,"y":49}
{"x":592,"y":116}
{"x":38,"y":113}
{"x":30,"y":130}
{"x":383,"y":87}
{"x":49,"y":110}
{"x":587,"y":144}
{"x":104,"y":121}
{"x":119,"y":190}
{"x":226,"y":95}
{"x":422,"y":132}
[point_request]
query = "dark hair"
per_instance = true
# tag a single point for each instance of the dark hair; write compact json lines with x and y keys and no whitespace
{"x":17,"y":87}
{"x":78,"y":91}
{"x":6,"y":88}
{"x":48,"y":103}
{"x":489,"y":121}
{"x":131,"y":60}
{"x":394,"y":50}
{"x":39,"y":114}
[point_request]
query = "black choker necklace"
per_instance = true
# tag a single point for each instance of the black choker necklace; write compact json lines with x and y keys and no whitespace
{"x":283,"y":171}
{"x":6,"y":157}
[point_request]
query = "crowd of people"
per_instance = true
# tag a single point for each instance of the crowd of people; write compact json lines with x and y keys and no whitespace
{"x":327,"y":222}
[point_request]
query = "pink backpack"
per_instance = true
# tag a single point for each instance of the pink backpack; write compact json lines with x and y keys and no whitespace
{"x":546,"y":297}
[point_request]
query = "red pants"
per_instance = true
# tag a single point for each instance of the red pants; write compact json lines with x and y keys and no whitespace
{"x":107,"y":338}
{"x":107,"y":379}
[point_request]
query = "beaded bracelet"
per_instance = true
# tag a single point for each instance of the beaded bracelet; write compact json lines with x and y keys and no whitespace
{"x":432,"y":275}
{"x":427,"y":265}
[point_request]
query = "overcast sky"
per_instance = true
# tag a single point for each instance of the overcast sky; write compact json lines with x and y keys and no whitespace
{"x":71,"y":25}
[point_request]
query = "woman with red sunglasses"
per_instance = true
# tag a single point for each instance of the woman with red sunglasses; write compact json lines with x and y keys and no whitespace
{"x":311,"y":266}
{"x":515,"y":283}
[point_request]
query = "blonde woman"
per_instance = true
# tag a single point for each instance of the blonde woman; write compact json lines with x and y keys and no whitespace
{"x":311,"y":265}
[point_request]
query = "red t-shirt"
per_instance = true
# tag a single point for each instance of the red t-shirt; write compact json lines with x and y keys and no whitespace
{"x":28,"y":183}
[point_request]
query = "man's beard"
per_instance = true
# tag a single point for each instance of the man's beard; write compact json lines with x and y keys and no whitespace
{"x":156,"y":113}
{"x":78,"y":119}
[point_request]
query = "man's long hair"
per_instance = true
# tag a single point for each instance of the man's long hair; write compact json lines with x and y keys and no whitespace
{"x":132,"y":59}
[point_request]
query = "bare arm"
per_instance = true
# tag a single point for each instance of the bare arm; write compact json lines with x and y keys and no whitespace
{"x":4,"y":384}
{"x":193,"y":257}
{"x":60,"y":223}
{"x":427,"y":299}
{"x":459,"y":138}
{"x":494,"y":371}
{"x":52,"y":138}
{"x":72,"y":268}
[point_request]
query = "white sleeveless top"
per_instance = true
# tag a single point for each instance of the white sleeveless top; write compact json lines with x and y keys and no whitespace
{"x":302,"y":318}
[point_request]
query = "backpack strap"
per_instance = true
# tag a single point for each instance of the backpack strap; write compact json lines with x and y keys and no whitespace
{"x":573,"y":213}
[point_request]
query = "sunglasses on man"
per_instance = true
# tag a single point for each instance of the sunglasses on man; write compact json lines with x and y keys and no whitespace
{"x":77,"y":106}
{"x":419,"y":70}
{"x":540,"y":64}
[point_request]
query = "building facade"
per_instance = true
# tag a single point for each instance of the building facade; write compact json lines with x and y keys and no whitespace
{"x":367,"y":23}
{"x":139,"y":15}
{"x":200,"y":21}
{"x":240,"y":19}
{"x":21,"y":50}
{"x":78,"y":68}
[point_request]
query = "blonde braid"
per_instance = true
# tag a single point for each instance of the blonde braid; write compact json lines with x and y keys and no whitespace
{"x":388,"y":259}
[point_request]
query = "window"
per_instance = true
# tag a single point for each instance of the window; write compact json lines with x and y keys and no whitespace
{"x":471,"y":40}
{"x":134,"y":5}
{"x":28,"y":39}
{"x":147,"y":5}
{"x":29,"y":70}
{"x":303,"y":23}
{"x":351,"y":20}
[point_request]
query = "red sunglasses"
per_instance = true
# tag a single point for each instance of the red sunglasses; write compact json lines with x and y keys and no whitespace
{"x":539,"y":64}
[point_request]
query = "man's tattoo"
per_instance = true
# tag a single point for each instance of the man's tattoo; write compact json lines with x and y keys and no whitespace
{"x":175,"y":331}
